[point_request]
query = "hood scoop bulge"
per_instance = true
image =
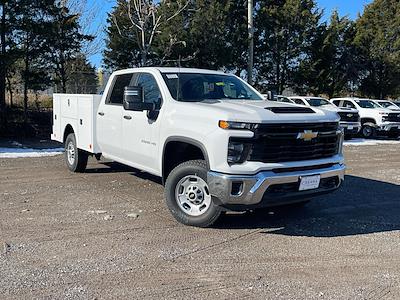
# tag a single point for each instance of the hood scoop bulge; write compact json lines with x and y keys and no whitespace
{"x":291,"y":110}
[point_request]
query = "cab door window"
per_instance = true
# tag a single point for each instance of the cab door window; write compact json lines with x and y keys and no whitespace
{"x":151,"y":90}
{"x":117,"y":91}
{"x":348,"y":104}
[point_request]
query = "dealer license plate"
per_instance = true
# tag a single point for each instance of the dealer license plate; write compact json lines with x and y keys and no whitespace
{"x":309,"y":182}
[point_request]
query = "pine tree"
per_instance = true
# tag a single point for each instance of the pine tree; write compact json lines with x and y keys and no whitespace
{"x":378,"y":38}
{"x":82,"y":76}
{"x":331,"y":64}
{"x":284,"y":31}
{"x":64,"y":41}
{"x":122,"y":51}
{"x":9,"y":52}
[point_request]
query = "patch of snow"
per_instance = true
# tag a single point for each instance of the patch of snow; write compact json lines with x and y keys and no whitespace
{"x":28,"y":152}
{"x":365,"y":142}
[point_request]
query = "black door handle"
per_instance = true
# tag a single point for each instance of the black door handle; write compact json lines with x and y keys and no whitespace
{"x":127,"y":117}
{"x":101,"y":113}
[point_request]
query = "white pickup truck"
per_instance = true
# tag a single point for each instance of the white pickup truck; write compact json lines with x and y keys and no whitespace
{"x":349,"y":117}
{"x":375,"y":119}
{"x":212,"y":138}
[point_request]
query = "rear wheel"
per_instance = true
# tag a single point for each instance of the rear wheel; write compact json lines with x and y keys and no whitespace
{"x":188,"y":196}
{"x":368,"y":131}
{"x":75,"y":158}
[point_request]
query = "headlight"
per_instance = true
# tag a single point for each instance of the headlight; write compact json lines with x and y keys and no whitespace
{"x":238,"y":151}
{"x":236,"y":125}
{"x":235,"y":152}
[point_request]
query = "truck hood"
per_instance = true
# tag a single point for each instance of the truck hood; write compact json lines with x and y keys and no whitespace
{"x":338,"y":109}
{"x":258,"y":111}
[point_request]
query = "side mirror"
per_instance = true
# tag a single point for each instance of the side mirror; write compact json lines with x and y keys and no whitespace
{"x":134,"y":100}
{"x":270,"y":96}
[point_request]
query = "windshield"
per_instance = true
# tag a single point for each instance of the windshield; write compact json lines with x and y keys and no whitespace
{"x":284,"y":99}
{"x":318,"y":102}
{"x":367,"y":104}
{"x":194,"y":87}
{"x":387,"y":104}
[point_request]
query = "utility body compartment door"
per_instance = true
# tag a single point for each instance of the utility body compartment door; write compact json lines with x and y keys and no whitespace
{"x":77,"y":111}
{"x":87,"y":108}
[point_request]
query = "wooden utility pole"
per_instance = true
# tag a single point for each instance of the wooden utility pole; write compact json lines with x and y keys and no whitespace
{"x":250,"y":26}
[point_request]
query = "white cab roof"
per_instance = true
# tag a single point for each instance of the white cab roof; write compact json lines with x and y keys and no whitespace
{"x":172,"y":70}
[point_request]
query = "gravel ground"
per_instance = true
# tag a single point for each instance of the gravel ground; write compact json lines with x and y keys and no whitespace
{"x":107,"y":234}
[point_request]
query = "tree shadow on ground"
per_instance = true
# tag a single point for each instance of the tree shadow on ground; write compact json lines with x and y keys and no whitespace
{"x":361,"y":206}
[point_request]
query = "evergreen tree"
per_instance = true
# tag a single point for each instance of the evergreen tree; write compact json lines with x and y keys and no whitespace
{"x":64,"y":41}
{"x":284,"y":31}
{"x":122,"y":51}
{"x":378,"y":38}
{"x":32,"y":32}
{"x":331,"y":64}
{"x":9,"y":52}
{"x":216,"y":35}
{"x":82,"y":76}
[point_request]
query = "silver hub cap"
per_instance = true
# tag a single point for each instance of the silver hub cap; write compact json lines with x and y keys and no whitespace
{"x":367,"y":131}
{"x":192,"y":195}
{"x":71,"y":153}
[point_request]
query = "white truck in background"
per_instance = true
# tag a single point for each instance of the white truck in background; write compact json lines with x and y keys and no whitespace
{"x":375,"y":119}
{"x":212,"y":138}
{"x":349,"y":117}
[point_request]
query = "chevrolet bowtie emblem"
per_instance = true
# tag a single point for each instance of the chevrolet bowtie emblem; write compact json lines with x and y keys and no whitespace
{"x":307,"y":135}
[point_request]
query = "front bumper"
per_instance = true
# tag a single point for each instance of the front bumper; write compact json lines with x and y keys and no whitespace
{"x":389,"y":127}
{"x":351,"y":127}
{"x":271,"y":188}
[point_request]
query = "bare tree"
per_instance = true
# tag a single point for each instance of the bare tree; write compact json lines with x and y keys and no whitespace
{"x":90,"y":15}
{"x":146,"y":18}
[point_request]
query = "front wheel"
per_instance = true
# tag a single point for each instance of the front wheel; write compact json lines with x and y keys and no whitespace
{"x":368,"y":131}
{"x":188,"y":196}
{"x":75,"y":158}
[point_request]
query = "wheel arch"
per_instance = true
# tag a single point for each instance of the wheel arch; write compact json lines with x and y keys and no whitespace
{"x":69,"y":128}
{"x":367,"y":120}
{"x":174,"y":143}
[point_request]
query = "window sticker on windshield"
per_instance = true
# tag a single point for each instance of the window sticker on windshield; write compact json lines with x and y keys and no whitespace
{"x":172,"y":76}
{"x":220,"y":84}
{"x":208,"y":87}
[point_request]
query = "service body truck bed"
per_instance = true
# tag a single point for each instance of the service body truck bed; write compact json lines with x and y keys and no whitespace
{"x":78,"y":111}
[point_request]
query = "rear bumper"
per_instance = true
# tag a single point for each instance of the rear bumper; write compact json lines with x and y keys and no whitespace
{"x":269,"y":188}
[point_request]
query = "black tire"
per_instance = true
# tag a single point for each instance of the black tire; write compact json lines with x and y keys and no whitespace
{"x":368,"y":131}
{"x":79,"y":162}
{"x":196,"y":168}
